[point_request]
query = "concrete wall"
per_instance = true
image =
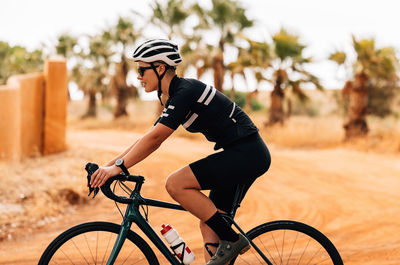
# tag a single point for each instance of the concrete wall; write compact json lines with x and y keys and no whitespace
{"x":33,"y":113}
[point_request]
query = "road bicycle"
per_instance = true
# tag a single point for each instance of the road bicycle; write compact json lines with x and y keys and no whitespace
{"x":277,"y":242}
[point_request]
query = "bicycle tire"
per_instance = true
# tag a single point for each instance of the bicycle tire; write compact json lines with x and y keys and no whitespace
{"x":300,"y":238}
{"x":87,"y":235}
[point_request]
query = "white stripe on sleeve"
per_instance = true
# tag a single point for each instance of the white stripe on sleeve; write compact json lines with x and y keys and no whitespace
{"x":205,"y":92}
{"x":190,"y":120}
{"x":210,"y":97}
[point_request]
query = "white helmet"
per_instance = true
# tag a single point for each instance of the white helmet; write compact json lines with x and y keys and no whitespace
{"x":158,"y":50}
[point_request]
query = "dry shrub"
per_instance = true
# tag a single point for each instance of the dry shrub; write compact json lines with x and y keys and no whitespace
{"x":37,"y":190}
{"x":301,"y":131}
{"x":328,"y":132}
{"x":383,"y":137}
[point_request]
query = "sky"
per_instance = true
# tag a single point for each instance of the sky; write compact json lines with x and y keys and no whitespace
{"x":324,"y":26}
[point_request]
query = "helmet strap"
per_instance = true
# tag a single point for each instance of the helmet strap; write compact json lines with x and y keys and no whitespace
{"x":160,"y":77}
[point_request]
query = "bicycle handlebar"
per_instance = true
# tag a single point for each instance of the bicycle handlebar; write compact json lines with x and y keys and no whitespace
{"x":106,"y":187}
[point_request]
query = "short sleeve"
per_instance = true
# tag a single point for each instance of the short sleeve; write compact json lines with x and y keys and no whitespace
{"x":176,"y":109}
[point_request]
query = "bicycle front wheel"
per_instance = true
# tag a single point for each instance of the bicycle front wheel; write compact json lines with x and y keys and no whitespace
{"x":91,"y":243}
{"x":289,"y":242}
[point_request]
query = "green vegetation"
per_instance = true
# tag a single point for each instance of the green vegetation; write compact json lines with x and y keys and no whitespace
{"x":98,"y":65}
{"x":373,"y":86}
{"x":17,"y":60}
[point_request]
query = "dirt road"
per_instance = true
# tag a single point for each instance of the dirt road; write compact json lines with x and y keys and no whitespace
{"x":352,"y":197}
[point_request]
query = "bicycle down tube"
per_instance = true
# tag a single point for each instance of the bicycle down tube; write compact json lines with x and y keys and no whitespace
{"x":132,"y":214}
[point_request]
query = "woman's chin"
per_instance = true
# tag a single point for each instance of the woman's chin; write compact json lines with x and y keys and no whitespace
{"x":148,"y":90}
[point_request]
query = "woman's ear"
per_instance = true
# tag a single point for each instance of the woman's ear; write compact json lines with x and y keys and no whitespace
{"x":161,"y":69}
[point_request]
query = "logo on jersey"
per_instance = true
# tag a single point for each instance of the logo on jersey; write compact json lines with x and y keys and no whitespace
{"x":164,"y":112}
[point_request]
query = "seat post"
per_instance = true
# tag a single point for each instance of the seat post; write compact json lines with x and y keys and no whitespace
{"x":236,"y":199}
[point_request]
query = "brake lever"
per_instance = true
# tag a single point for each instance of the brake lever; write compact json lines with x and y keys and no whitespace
{"x":90,"y":169}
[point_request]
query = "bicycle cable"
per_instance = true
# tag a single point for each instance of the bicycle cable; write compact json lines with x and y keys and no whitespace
{"x":115,"y":184}
{"x":129,"y":191}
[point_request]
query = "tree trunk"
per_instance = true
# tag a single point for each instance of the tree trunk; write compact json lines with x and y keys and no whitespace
{"x":121,"y":89}
{"x":92,"y":109}
{"x":276,"y":114}
{"x":219,"y":72}
{"x":358,"y":102}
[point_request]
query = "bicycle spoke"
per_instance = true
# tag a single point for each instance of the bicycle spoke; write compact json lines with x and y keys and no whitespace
{"x":90,"y":250}
{"x":105,"y":252}
{"x":283,"y":243}
{"x":286,"y":247}
{"x":73,"y":242}
{"x":294,"y":243}
{"x":129,"y":256}
{"x":309,"y":262}
{"x":65,"y":256}
{"x":97,"y":242}
{"x":304,"y":251}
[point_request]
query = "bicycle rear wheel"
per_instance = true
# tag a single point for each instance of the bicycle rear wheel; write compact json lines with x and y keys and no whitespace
{"x":91,"y":243}
{"x":289,"y":242}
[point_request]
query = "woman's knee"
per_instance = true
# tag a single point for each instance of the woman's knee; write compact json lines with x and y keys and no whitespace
{"x":180,"y":180}
{"x":172,"y":185}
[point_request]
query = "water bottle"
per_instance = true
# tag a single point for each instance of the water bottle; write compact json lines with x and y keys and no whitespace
{"x":177,"y":244}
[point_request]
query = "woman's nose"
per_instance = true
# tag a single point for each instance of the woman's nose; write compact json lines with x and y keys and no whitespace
{"x":139,"y":77}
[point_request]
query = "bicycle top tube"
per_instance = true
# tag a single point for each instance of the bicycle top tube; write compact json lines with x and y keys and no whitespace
{"x":135,"y":194}
{"x":139,"y":180}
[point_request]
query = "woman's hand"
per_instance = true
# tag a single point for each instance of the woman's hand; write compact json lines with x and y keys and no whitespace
{"x":102,"y":174}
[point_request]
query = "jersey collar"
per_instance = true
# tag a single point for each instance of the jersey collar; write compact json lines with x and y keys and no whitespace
{"x":172,"y":85}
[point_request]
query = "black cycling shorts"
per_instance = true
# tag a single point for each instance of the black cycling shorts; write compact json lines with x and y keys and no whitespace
{"x":242,"y":162}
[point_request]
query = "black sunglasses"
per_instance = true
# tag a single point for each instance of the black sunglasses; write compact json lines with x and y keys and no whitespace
{"x":142,"y":69}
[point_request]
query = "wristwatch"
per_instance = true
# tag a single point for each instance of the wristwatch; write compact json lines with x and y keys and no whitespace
{"x":119,"y":162}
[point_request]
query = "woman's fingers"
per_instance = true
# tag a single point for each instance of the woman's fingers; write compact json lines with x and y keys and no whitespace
{"x":101,"y":175}
{"x":92,"y":180}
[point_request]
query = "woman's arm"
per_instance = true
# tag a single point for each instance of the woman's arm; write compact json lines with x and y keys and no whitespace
{"x":136,"y":153}
{"x":112,"y":162}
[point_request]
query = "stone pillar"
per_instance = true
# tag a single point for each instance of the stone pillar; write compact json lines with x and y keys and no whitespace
{"x":10,"y":125}
{"x":55,"y":106}
{"x":31,"y":94}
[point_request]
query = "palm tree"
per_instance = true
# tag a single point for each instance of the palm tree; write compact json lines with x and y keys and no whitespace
{"x":97,"y":70}
{"x":65,"y":46}
{"x":123,"y":36}
{"x":91,"y":65}
{"x":259,"y":54}
{"x":237,"y":67}
{"x":288,"y":73}
{"x":170,"y":17}
{"x":374,"y":70}
{"x":229,"y":18}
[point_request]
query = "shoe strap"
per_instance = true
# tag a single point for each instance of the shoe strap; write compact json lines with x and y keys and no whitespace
{"x":210,"y":244}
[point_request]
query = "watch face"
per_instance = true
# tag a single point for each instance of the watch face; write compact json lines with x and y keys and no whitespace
{"x":119,"y":162}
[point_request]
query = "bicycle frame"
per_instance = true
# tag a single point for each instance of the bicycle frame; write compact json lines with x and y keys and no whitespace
{"x":132,"y":214}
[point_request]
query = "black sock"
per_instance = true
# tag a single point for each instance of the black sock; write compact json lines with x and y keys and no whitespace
{"x":222,"y":228}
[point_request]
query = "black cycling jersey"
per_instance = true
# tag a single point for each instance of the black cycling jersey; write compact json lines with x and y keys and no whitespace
{"x":201,"y":108}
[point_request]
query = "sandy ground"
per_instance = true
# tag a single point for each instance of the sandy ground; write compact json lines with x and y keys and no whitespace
{"x":352,"y":197}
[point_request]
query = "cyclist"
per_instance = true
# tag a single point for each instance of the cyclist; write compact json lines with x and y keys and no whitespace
{"x":198,"y":108}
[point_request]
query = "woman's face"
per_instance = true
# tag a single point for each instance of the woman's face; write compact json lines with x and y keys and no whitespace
{"x":149,"y":78}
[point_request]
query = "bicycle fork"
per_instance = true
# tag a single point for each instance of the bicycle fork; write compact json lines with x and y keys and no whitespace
{"x":125,"y":227}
